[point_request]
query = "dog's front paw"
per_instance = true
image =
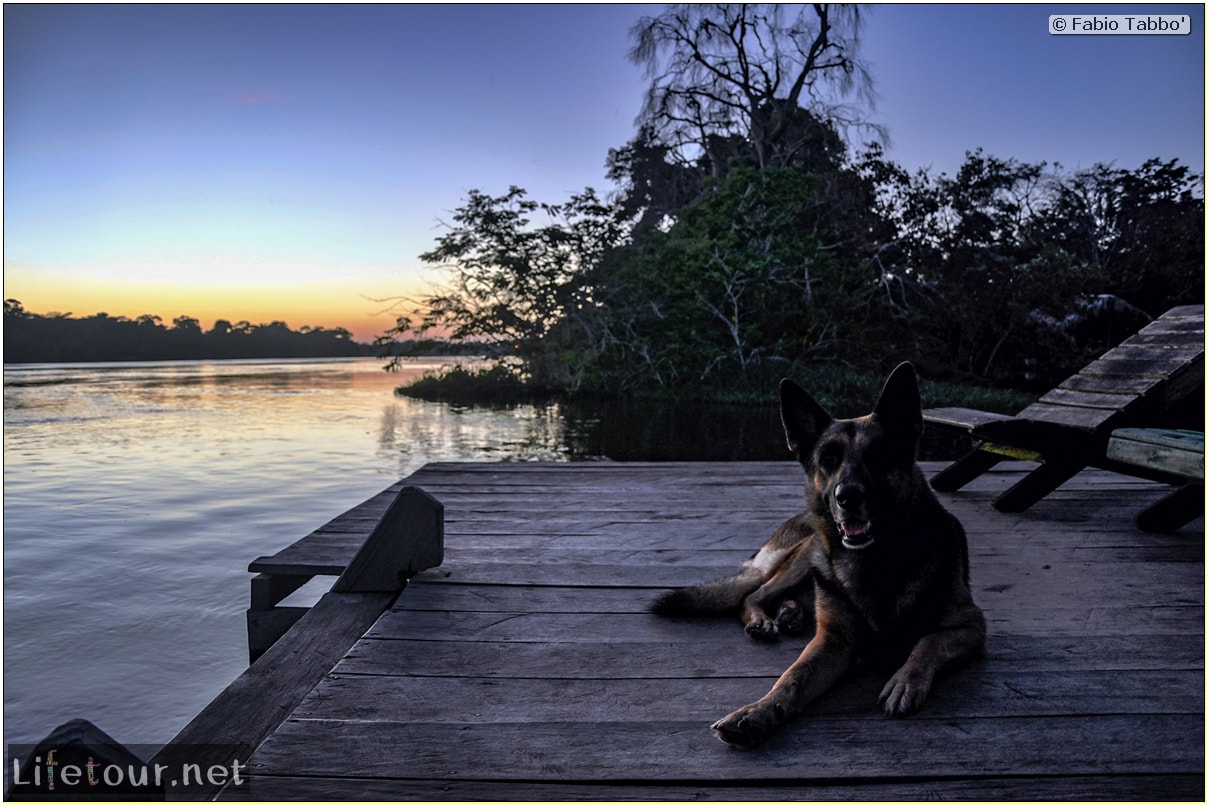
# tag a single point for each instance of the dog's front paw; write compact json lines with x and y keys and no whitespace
{"x":750,"y":725}
{"x":903,"y":694}
{"x":761,"y":628}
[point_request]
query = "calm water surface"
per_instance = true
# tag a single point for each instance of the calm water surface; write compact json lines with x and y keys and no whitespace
{"x":135,"y":495}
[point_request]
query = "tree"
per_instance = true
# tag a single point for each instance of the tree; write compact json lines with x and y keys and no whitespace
{"x":1003,"y":267}
{"x":651,"y":185}
{"x":967,"y":253}
{"x":186,"y":324}
{"x":519,"y":288}
{"x":734,"y":78}
{"x":1140,"y":232}
{"x":759,"y":272}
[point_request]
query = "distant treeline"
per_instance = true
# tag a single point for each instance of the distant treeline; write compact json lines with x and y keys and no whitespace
{"x":31,"y":337}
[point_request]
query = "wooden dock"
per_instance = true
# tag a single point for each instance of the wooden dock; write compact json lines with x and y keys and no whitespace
{"x":524,"y":667}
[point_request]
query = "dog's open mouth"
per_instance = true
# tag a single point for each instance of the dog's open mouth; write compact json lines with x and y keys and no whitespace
{"x":857,"y":534}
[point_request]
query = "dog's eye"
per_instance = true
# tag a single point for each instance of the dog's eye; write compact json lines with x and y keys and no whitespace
{"x":830,"y":457}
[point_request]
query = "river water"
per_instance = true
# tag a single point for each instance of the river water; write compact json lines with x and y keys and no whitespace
{"x":136,"y":494}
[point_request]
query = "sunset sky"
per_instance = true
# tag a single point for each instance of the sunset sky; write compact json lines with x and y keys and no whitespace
{"x":290,"y":162}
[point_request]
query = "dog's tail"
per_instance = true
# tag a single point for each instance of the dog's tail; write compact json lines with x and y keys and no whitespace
{"x":711,"y":598}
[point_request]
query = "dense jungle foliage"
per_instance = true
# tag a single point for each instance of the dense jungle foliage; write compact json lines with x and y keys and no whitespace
{"x":747,"y":240}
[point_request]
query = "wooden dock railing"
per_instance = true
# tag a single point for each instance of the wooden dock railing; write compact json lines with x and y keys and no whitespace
{"x":406,"y":539}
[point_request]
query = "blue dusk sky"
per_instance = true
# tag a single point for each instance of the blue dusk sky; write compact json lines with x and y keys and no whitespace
{"x":290,"y":162}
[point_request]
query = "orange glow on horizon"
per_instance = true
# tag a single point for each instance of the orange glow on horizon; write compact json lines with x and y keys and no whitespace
{"x":366,"y":313}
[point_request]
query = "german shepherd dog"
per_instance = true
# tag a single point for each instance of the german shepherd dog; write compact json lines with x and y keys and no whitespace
{"x":875,"y":563}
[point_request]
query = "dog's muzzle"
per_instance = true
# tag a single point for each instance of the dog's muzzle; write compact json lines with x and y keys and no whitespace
{"x":850,"y":515}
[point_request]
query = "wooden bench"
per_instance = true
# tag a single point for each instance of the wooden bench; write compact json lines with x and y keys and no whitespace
{"x":1136,"y":383}
{"x":1180,"y":453}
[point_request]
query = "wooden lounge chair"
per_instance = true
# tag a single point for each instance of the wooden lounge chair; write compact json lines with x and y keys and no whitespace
{"x":1181,"y":453}
{"x":1136,"y":384}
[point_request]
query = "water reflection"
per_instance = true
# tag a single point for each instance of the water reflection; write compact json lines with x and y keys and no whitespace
{"x":620,"y":430}
{"x":628,"y":430}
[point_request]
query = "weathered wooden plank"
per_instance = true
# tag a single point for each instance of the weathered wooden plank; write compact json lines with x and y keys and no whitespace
{"x":568,"y":574}
{"x":672,"y":481}
{"x":645,"y":566}
{"x":1020,"y":586}
{"x":692,"y":506}
{"x":1098,"y":548}
{"x":607,"y":475}
{"x":961,"y":418}
{"x":460,"y":477}
{"x":812,"y":750}
{"x":1179,"y":348}
{"x":683,"y":512}
{"x":1109,"y":384}
{"x":1081,"y":418}
{"x":992,"y":553}
{"x":1193,"y":441}
{"x":1093,"y":400}
{"x":728,"y":653}
{"x":622,"y":474}
{"x":571,"y":574}
{"x":1189,"y":786}
{"x":750,"y":526}
{"x":629,"y":562}
{"x":1157,"y":621}
{"x":1135,"y":613}
{"x":1190,"y":326}
{"x":519,"y":470}
{"x":673,"y":514}
{"x":967,"y":692}
{"x":1179,"y":452}
{"x":1135,"y":606}
{"x":1114,"y":544}
{"x":1039,"y":434}
{"x":679,"y":657}
{"x":1157,"y":367}
{"x":1176,"y":334}
{"x":306,"y":559}
{"x":1060,"y":516}
{"x":622,"y":502}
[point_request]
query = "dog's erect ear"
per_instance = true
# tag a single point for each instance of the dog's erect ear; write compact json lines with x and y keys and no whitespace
{"x":898,"y":405}
{"x":803,"y":418}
